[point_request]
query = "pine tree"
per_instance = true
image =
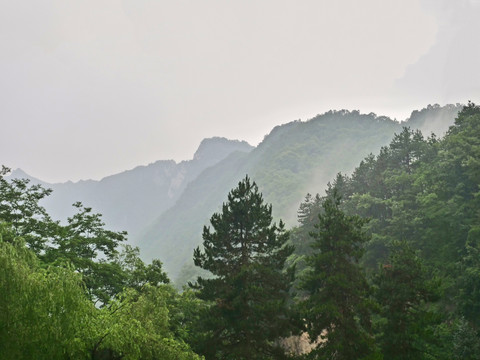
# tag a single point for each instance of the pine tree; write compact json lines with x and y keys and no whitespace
{"x":249,"y":292}
{"x":402,"y":290}
{"x":336,"y":308}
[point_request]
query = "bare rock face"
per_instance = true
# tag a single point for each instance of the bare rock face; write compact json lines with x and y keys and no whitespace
{"x":300,"y":344}
{"x":212,"y":150}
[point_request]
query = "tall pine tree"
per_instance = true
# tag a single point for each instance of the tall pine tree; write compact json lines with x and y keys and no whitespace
{"x":403,"y":290}
{"x":249,"y":290}
{"x":336,"y":307}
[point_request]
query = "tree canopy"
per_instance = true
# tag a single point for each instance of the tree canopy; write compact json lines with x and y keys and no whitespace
{"x":336,"y":310}
{"x":249,"y":290}
{"x":423,"y":194}
{"x":52,"y":275}
{"x":389,"y":263}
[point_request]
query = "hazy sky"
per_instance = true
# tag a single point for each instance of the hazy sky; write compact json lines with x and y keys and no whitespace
{"x":91,"y":88}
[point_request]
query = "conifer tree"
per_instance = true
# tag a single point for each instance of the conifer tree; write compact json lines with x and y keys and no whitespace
{"x":249,"y":290}
{"x":402,"y":290}
{"x":336,"y":308}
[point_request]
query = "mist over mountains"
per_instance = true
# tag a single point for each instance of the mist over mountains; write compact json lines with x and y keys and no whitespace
{"x":132,"y":199}
{"x":164,"y":205}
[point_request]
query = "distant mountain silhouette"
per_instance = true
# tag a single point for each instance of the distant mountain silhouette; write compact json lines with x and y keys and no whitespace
{"x":131,"y":199}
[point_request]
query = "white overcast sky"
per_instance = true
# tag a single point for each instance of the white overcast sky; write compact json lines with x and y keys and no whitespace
{"x":91,"y":88}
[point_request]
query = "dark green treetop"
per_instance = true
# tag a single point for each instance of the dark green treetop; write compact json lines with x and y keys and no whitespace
{"x":403,"y":289}
{"x":246,"y":253}
{"x":336,"y":307}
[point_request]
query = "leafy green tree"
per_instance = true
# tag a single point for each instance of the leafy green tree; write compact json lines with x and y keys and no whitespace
{"x":336,"y":309}
{"x":136,"y":274}
{"x":249,"y":292}
{"x":91,"y":249}
{"x":403,"y":290}
{"x":19,"y":206}
{"x":42,"y":310}
{"x":45,"y":314}
{"x":136,"y":326}
{"x":46,"y":310}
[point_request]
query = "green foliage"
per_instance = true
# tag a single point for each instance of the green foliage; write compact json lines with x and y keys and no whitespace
{"x":466,"y":342}
{"x":418,"y":190}
{"x":403,"y":291}
{"x":42,"y":310}
{"x":136,"y":326}
{"x":337,"y":309}
{"x":424,"y":194}
{"x":469,"y":280}
{"x":421,"y":196}
{"x":91,"y":249}
{"x":248,"y":294}
{"x":292,"y":160}
{"x":44,"y":314}
{"x":136,"y":274}
{"x":301,"y":152}
{"x":46,"y":307}
{"x":83,"y":243}
{"x":19,"y":206}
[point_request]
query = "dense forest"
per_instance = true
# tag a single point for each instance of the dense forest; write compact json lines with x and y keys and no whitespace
{"x":385,"y":265}
{"x":292,"y":160}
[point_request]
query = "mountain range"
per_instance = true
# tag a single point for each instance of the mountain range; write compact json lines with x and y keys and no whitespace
{"x":164,"y":205}
{"x":132,"y":199}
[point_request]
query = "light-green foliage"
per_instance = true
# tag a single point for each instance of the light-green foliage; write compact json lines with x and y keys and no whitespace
{"x":90,"y":249}
{"x":42,"y":310}
{"x":49,"y":286}
{"x":19,"y":206}
{"x":137,"y":326}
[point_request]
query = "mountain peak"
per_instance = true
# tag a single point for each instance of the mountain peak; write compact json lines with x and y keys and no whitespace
{"x":217,"y":148}
{"x":20,"y":174}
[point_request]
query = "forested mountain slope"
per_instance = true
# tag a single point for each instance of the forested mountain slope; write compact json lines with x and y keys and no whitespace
{"x":294,"y":159}
{"x":387,"y":261}
{"x":419,"y":199}
{"x":164,"y":205}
